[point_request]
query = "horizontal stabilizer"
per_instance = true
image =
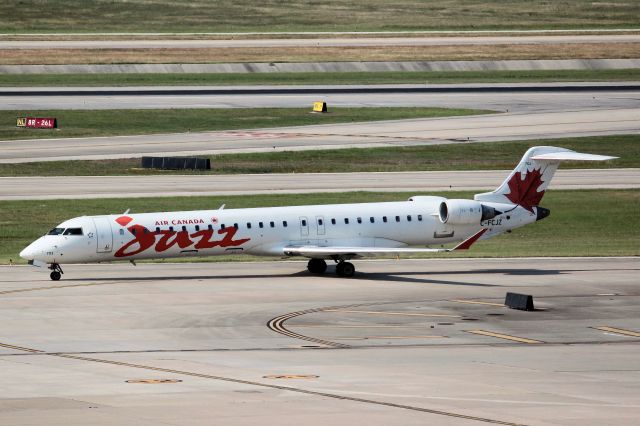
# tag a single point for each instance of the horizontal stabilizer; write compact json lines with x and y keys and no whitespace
{"x":571,"y":155}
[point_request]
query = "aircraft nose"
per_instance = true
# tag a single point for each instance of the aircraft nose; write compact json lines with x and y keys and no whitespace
{"x":29,"y":252}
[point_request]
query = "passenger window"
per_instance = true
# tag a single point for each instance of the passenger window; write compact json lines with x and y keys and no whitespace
{"x":261,"y":225}
{"x":371,"y":219}
{"x":419,"y":218}
{"x":134,"y":231}
{"x":320,"y":222}
{"x":333,"y":221}
{"x":284,"y":223}
{"x":304,"y":222}
{"x":222,"y":226}
{"x":235,"y":225}
{"x":145,"y":231}
{"x":272,"y":224}
{"x":248,"y":225}
{"x":171,"y":229}
{"x":197,"y":228}
{"x":184,"y":228}
{"x":359,"y":220}
{"x":346,"y":220}
{"x":157,"y":229}
{"x":384,"y":219}
{"x":210,"y":227}
{"x":408,"y":218}
{"x":73,"y":231}
{"x":56,"y":231}
{"x":122,"y":231}
{"x":397,"y":218}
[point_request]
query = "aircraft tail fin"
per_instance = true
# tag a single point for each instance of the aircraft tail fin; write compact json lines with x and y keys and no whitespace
{"x":527,"y":183}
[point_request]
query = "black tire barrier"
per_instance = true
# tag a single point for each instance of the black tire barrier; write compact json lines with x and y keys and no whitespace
{"x":522,"y":302}
{"x":176,"y":163}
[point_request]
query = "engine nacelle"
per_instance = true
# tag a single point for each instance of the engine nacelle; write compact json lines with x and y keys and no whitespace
{"x":465,"y":212}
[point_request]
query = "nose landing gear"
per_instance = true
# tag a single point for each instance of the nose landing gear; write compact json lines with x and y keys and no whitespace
{"x":56,"y":271}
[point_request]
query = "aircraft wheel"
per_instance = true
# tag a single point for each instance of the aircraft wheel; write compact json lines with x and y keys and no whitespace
{"x":317,"y":266}
{"x":55,"y":275}
{"x":345,"y":269}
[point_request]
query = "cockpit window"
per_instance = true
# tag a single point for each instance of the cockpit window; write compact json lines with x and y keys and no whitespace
{"x":73,"y":231}
{"x":56,"y":231}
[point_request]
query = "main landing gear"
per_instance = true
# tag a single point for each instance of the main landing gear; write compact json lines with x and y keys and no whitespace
{"x":56,"y":271}
{"x":319,"y":267}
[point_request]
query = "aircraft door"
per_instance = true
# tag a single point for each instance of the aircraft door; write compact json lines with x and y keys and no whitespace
{"x":320,"y":224}
{"x":304,"y":226}
{"x":104,"y":235}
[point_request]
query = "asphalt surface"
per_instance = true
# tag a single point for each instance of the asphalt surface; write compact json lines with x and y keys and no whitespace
{"x":26,"y":188}
{"x":408,"y":342}
{"x":550,"y":97}
{"x":320,"y":42}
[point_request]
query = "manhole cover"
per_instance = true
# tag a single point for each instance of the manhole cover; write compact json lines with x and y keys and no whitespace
{"x":153,"y":381}
{"x":291,"y":376}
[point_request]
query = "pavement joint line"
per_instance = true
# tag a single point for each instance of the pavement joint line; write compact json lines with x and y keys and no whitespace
{"x":621,"y":331}
{"x":428,"y":336}
{"x":408,"y":314}
{"x":267,"y":385}
{"x":357,"y":326}
{"x":504,"y":336}
{"x":477,"y":302}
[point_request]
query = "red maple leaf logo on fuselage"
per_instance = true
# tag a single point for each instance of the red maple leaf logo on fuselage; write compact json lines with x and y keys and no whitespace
{"x":525,"y":191}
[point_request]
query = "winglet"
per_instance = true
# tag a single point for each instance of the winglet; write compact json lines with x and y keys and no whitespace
{"x":469,"y":241}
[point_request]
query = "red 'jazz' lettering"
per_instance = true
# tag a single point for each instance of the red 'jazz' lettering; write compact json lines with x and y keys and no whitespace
{"x":228,"y":240}
{"x":205,"y":239}
{"x":170,"y":238}
{"x":144,"y":239}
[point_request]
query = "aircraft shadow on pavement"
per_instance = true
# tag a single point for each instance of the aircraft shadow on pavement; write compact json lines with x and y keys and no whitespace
{"x":425,"y":277}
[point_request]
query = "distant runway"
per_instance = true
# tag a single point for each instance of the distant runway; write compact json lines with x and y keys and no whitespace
{"x":24,"y":188}
{"x":523,"y":97}
{"x":319,"y":42}
{"x":404,"y":342}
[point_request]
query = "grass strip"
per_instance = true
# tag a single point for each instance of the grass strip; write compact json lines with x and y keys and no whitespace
{"x":468,"y":156}
{"x":320,"y":54}
{"x":206,"y":79}
{"x":293,"y":15}
{"x":582,"y":223}
{"x":86,"y":123}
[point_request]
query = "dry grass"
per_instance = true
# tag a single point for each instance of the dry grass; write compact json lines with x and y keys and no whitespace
{"x":320,"y":54}
{"x":303,"y":15}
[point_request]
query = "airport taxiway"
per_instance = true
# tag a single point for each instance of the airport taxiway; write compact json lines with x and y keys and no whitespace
{"x":408,"y":342}
{"x":466,"y":129}
{"x":319,"y":42}
{"x":71,"y":187}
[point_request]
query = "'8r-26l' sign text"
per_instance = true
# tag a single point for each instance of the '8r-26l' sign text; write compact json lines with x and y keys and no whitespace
{"x":37,"y":122}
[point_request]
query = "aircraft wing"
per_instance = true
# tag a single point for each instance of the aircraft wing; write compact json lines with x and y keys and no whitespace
{"x":350,"y":252}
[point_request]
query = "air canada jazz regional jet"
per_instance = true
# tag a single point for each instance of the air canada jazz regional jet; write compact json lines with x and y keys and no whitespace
{"x":337,"y":232}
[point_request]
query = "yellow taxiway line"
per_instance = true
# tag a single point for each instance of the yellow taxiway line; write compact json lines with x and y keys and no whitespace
{"x":618,"y":331}
{"x":504,"y":336}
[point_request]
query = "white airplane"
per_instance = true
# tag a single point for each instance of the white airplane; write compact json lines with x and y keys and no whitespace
{"x":337,"y":232}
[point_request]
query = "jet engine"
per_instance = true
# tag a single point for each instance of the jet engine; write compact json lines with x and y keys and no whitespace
{"x":465,"y":212}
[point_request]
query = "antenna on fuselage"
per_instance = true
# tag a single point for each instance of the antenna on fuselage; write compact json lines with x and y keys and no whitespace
{"x":222,"y":207}
{"x":127,"y":212}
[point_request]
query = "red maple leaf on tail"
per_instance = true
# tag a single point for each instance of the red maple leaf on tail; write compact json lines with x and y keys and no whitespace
{"x":524,"y":192}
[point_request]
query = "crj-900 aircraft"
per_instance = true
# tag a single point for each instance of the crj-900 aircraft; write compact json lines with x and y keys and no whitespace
{"x":337,"y":232}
